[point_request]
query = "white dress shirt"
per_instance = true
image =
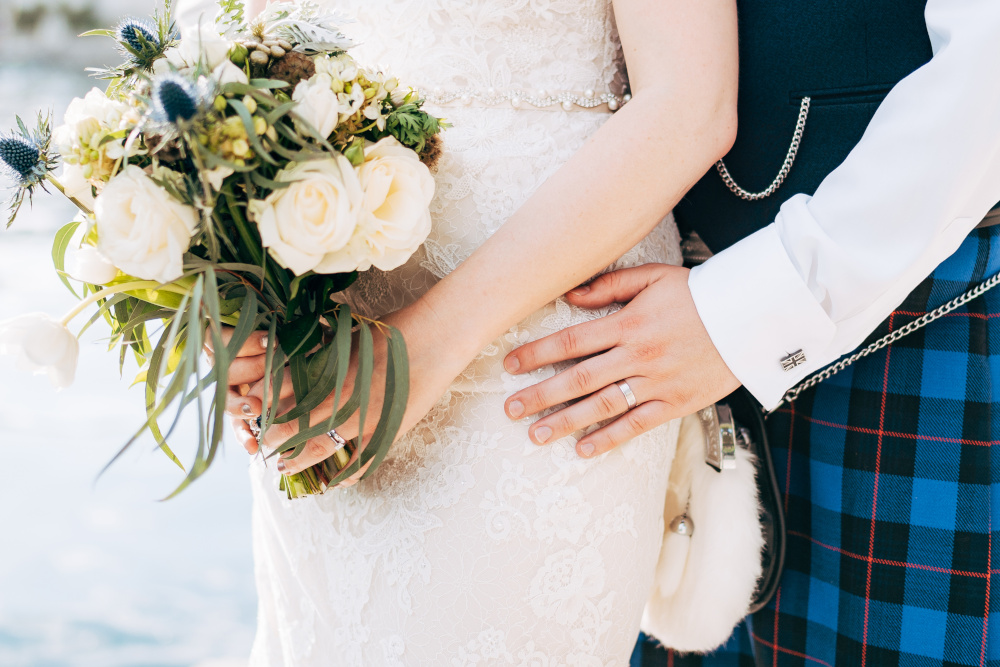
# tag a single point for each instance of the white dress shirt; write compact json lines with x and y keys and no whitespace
{"x":833,"y":266}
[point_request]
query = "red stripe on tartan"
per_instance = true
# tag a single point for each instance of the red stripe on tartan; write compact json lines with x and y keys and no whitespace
{"x":989,"y":564}
{"x":894,"y":563}
{"x":878,"y":465}
{"x":777,"y":606}
{"x":980,"y":316}
{"x":776,"y":649}
{"x":670,"y":656}
{"x":896,"y":434}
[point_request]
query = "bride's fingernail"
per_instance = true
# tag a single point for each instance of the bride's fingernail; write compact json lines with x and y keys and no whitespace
{"x":586,"y":449}
{"x":281,"y":465}
{"x":542,"y":434}
{"x":246,"y":409}
{"x":512,"y":364}
{"x":515,"y":409}
{"x":580,"y":291}
{"x":263,"y":342}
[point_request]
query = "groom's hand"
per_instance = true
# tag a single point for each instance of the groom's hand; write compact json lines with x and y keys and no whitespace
{"x":657,"y":343}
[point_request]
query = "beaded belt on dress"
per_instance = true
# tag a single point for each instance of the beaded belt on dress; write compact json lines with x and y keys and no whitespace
{"x":588,"y":100}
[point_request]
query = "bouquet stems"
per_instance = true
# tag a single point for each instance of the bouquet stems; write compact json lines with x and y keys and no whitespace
{"x":316,"y":480}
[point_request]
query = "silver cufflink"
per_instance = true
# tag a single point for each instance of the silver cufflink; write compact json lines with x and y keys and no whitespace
{"x":793,"y":360}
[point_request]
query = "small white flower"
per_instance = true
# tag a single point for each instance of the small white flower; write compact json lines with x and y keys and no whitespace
{"x":227,"y":72}
{"x":85,"y":263}
{"x":216,"y":176}
{"x":76,"y":186}
{"x":307,"y":226}
{"x":81,"y":137}
{"x":42,"y":345}
{"x":142,"y":228}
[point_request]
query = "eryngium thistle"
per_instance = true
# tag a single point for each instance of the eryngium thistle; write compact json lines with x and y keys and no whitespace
{"x":21,"y":157}
{"x":139,"y":35}
{"x":25,"y":155}
{"x":175,"y":99}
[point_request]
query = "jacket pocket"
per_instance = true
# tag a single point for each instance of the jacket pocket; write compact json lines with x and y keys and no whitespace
{"x":872,"y":94}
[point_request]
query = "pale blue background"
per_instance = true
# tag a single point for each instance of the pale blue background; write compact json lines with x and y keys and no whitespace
{"x":97,"y":572}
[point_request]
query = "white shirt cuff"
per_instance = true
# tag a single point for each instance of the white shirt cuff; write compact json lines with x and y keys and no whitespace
{"x":759,"y":313}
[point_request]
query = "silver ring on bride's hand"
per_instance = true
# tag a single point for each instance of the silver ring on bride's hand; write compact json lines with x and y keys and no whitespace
{"x":629,"y":396}
{"x":338,"y":440}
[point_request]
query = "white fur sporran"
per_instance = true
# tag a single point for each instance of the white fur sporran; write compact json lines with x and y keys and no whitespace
{"x":708,"y":572}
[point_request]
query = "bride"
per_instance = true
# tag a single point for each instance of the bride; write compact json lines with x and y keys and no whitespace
{"x":471,"y":545}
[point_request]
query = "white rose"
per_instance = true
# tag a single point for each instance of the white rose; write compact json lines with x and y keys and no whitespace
{"x":398,"y":192}
{"x":43,"y":345}
{"x":200,"y":39}
{"x":85,"y":263}
{"x":318,"y":104}
{"x":307,"y":225}
{"x":141,"y":228}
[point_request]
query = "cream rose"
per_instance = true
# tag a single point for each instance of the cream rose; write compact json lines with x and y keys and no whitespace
{"x":398,"y":192}
{"x":307,"y":226}
{"x":141,"y":228}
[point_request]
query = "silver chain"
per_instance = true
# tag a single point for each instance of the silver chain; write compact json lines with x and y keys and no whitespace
{"x":891,"y":338}
{"x":793,"y":151}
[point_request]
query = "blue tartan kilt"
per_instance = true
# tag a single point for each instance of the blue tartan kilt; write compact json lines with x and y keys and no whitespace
{"x":889,"y":486}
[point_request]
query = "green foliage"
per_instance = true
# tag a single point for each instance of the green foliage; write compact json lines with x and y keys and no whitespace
{"x":233,"y":19}
{"x":411,"y":126}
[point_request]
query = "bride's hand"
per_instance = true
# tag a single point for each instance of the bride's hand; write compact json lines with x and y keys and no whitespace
{"x":433,"y":366}
{"x":245,"y":370}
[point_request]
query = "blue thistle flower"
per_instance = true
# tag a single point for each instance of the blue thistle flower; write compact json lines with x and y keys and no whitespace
{"x":25,"y":155}
{"x":175,"y":99}
{"x":137,"y":34}
{"x":21,"y":156}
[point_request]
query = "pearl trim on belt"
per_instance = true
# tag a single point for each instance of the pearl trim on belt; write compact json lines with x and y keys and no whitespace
{"x":589,"y":100}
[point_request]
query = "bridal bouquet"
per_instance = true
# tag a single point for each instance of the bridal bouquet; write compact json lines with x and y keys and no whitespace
{"x":235,"y":172}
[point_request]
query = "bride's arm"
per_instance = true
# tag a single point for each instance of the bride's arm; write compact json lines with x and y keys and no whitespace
{"x":682,"y":60}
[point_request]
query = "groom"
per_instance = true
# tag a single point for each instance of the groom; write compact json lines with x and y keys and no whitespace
{"x":886,"y":468}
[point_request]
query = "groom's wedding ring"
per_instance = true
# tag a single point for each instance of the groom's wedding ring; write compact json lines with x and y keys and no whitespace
{"x":629,"y":396}
{"x":338,"y":440}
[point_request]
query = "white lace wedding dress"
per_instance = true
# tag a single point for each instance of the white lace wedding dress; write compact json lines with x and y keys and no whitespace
{"x":470,"y":545}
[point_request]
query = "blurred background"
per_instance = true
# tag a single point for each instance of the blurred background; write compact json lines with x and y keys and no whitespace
{"x":98,"y":572}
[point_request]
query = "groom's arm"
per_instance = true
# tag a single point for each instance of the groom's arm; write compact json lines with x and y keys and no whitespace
{"x":819,"y":279}
{"x":833,"y":266}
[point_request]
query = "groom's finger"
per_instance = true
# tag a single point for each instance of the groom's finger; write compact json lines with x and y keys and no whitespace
{"x":581,"y":340}
{"x":616,"y":287}
{"x":598,"y":407}
{"x":633,"y":423}
{"x":581,"y":380}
